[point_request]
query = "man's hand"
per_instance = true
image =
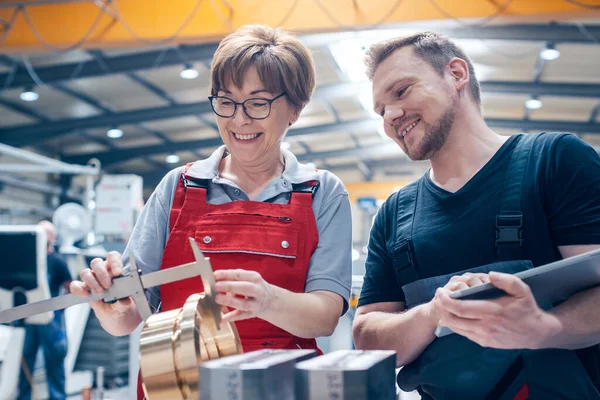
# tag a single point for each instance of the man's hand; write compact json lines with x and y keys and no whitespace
{"x":456,"y":283}
{"x":513,"y":321}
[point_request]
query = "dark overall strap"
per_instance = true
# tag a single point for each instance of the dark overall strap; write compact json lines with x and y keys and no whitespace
{"x":403,"y":254}
{"x":509,"y":222}
{"x":306,"y":187}
{"x":304,"y":193}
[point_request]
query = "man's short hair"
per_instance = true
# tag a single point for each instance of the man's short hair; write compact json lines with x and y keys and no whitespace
{"x":283,"y":63}
{"x":436,"y":49}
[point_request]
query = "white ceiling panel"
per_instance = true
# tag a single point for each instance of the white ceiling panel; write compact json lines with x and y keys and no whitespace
{"x":85,"y":148}
{"x":176,"y":124}
{"x":119,"y":92}
{"x":10,"y":118}
{"x":126,"y":142}
{"x":187,"y":134}
{"x":53,"y":103}
{"x":577,"y":63}
{"x":510,"y":106}
{"x":182,"y":90}
{"x":564,"y":109}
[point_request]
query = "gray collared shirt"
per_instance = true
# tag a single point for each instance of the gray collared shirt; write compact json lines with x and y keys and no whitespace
{"x":330,"y":266}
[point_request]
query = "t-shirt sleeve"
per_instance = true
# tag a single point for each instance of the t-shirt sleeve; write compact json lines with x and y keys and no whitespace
{"x":60,"y":270}
{"x":573,"y":192}
{"x":330,"y":267}
{"x":380,"y":284}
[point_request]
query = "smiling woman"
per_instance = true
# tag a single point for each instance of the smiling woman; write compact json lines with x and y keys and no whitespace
{"x":280,"y":248}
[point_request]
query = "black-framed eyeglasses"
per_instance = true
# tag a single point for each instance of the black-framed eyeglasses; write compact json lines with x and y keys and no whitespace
{"x":255,"y":108}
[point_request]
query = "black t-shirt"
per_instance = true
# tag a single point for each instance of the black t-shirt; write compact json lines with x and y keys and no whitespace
{"x":456,"y":231}
{"x":58,"y":273}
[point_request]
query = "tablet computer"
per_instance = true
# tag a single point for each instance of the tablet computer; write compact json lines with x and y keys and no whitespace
{"x":549,"y":283}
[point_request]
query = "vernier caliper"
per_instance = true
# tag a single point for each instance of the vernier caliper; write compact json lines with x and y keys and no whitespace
{"x":131,"y":285}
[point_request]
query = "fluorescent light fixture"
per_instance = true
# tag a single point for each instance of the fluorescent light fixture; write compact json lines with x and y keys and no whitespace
{"x":114,"y":133}
{"x":549,"y":53}
{"x":29,"y":95}
{"x":534,"y":104}
{"x":189,"y":73}
{"x":172,"y":159}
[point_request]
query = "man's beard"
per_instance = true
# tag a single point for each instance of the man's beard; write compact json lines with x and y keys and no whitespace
{"x":435,"y":136}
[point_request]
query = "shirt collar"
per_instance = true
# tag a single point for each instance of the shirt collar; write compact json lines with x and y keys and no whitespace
{"x":294,"y":172}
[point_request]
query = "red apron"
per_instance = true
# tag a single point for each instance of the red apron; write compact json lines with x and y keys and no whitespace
{"x":276,"y":240}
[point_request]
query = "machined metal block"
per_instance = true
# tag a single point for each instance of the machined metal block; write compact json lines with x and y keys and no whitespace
{"x":258,"y":375}
{"x":348,"y":375}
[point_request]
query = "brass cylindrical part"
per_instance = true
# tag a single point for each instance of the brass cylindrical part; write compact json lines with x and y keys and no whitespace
{"x":174,"y":343}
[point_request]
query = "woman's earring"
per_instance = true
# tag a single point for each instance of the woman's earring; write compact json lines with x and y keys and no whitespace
{"x":289,"y":124}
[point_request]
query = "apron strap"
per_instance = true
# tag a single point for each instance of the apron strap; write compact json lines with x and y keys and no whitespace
{"x":304,"y":193}
{"x":178,"y":199}
{"x":509,"y":222}
{"x":403,"y":254}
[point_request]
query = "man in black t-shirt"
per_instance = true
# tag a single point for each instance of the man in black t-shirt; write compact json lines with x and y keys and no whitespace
{"x":51,"y":338}
{"x":487,"y":202}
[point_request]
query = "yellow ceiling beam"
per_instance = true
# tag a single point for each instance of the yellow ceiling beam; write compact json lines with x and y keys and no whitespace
{"x":47,"y":27}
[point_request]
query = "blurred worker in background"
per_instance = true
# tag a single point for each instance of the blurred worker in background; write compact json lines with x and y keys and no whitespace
{"x":51,"y":338}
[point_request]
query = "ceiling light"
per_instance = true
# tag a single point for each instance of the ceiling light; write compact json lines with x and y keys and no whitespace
{"x":549,"y":53}
{"x":29,"y":94}
{"x":114,"y":133}
{"x":172,"y":159}
{"x":534,"y":104}
{"x":189,"y":73}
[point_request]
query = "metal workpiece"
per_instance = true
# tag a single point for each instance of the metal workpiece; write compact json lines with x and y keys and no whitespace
{"x":174,"y":343}
{"x":261,"y":374}
{"x":348,"y":375}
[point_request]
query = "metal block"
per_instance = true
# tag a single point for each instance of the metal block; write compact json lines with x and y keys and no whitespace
{"x":258,"y":375}
{"x":348,"y":375}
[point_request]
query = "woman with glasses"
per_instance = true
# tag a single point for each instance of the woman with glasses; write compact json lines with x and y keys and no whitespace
{"x":277,"y":232}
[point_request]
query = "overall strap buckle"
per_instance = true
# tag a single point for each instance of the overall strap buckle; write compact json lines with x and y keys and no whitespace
{"x":509,"y":229}
{"x":194,"y":183}
{"x":509,"y":236}
{"x":306,"y":187}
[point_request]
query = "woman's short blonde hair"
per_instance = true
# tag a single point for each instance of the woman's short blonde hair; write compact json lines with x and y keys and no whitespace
{"x":283,"y":63}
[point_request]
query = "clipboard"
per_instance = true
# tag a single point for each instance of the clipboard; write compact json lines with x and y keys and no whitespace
{"x":550,"y":283}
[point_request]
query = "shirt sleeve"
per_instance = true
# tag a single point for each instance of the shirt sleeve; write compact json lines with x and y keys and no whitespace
{"x":379,"y":284}
{"x":149,"y":236}
{"x":330,"y":265}
{"x":572,"y":198}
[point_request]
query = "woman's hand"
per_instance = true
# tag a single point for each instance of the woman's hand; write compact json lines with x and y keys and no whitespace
{"x":245,"y":291}
{"x":119,"y":318}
